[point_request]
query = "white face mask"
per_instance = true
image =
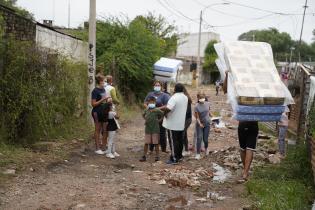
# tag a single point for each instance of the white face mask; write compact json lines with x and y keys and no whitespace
{"x":202,"y":100}
{"x":151,"y":106}
{"x":157,"y":88}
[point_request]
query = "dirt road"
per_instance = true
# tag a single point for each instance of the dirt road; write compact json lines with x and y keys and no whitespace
{"x":87,"y":181}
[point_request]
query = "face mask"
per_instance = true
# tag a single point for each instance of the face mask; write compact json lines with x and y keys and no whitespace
{"x":157,"y":88}
{"x":202,"y":100}
{"x":151,"y":106}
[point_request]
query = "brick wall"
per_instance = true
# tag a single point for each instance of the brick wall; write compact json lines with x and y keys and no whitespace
{"x":21,"y":28}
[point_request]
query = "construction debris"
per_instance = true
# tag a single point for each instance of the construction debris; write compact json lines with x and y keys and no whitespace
{"x":182,"y":176}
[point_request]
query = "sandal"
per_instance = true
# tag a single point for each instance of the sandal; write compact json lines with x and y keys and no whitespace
{"x":242,"y":180}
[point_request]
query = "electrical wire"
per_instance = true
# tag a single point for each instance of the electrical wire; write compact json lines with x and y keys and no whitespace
{"x":264,"y":10}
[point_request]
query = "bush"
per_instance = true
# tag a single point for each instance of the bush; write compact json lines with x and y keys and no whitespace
{"x":40,"y":92}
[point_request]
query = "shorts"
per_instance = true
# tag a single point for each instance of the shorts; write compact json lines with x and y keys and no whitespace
{"x":152,"y":138}
{"x":247,"y":135}
{"x":98,"y":117}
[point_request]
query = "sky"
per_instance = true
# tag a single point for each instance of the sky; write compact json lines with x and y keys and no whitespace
{"x":228,"y":19}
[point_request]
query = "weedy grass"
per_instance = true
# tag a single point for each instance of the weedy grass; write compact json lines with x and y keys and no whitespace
{"x":288,"y":185}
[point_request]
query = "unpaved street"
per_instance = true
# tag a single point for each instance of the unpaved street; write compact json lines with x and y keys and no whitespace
{"x":87,"y":181}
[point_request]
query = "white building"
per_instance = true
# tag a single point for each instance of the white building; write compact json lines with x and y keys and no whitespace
{"x":188,"y":44}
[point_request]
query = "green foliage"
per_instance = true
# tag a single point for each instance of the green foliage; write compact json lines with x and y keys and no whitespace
{"x":128,"y":50}
{"x":210,"y":56}
{"x":40,"y":92}
{"x":12,"y":4}
{"x":312,"y":120}
{"x":159,"y":27}
{"x":285,"y":186}
{"x":281,"y":44}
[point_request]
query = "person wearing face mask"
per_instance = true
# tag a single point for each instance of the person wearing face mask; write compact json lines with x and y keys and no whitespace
{"x":202,"y":114}
{"x":161,"y":102}
{"x":98,"y":103}
{"x":153,"y":116}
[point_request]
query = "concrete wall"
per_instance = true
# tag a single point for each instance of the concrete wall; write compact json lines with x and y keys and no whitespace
{"x":62,"y":43}
{"x":188,"y":43}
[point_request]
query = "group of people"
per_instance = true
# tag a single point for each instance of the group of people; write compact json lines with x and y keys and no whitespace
{"x":104,"y":100}
{"x":169,"y":117}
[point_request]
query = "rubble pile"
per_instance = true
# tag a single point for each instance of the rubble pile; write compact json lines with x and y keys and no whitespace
{"x":182,"y":176}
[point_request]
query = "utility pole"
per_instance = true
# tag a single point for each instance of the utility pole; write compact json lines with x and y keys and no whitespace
{"x":300,"y":41}
{"x":302,"y":89}
{"x":69,"y":14}
{"x":91,"y":53}
{"x":198,"y":57}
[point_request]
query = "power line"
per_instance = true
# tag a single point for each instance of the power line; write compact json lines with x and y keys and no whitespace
{"x":162,"y":3}
{"x":179,"y":12}
{"x":264,"y":10}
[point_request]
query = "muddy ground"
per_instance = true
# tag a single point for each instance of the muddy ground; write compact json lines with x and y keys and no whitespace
{"x":84,"y":180}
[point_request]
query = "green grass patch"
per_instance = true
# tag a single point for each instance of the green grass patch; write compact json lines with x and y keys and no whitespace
{"x":288,"y":185}
{"x":266,"y":130}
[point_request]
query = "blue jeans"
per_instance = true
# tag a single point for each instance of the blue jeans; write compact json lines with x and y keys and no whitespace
{"x":202,"y":135}
{"x":281,"y":139}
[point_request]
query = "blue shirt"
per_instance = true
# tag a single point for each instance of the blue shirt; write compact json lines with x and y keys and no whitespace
{"x":98,"y":94}
{"x":161,"y":98}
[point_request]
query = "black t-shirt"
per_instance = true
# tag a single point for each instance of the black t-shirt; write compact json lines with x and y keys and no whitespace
{"x":98,"y":94}
{"x":188,"y":112}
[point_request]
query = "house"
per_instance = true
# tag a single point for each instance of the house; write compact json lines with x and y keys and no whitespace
{"x":187,"y":51}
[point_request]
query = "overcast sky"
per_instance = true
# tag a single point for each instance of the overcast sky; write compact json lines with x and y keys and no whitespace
{"x":230,"y":19}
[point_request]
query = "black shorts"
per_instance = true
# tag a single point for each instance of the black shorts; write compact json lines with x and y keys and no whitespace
{"x":247,"y":135}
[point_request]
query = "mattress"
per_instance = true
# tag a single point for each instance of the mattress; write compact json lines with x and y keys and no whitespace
{"x":167,"y":65}
{"x":258,"y":117}
{"x":164,"y":73}
{"x":263,"y":109}
{"x":165,"y":79}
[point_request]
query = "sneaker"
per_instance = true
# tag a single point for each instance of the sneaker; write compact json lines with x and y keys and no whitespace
{"x":197,"y":157}
{"x":99,"y":152}
{"x":171,"y":162}
{"x":207,"y":152}
{"x":143,"y":159}
{"x":110,"y":155}
{"x":186,"y":153}
{"x":116,"y":154}
{"x":107,"y":151}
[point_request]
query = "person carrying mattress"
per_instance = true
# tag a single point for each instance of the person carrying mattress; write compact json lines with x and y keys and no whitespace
{"x":247,"y":136}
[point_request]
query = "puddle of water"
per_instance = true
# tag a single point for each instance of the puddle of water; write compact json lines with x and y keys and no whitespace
{"x":221,"y":174}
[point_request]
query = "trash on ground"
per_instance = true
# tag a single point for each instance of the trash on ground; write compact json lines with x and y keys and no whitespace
{"x":9,"y":172}
{"x":182,"y":176}
{"x":161,"y":182}
{"x":221,"y":174}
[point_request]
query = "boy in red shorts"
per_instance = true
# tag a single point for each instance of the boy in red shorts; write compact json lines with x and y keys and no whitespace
{"x":153,"y":116}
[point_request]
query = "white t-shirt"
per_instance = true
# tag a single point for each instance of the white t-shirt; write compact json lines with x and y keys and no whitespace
{"x":175,"y":119}
{"x":108,"y":88}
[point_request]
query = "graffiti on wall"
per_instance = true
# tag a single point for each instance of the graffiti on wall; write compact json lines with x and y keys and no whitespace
{"x":91,"y":64}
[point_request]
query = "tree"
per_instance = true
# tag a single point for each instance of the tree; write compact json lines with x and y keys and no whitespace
{"x":161,"y":29}
{"x":281,"y":44}
{"x":12,"y":4}
{"x":209,"y":61}
{"x":128,"y":50}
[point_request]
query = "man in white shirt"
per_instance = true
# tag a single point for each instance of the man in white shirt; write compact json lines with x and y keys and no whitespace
{"x":175,"y":122}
